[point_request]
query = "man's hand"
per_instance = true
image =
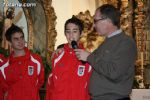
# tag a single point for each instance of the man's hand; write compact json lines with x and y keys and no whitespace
{"x":57,"y":52}
{"x":82,"y":54}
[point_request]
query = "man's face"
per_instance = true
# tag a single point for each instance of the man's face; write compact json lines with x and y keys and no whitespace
{"x":100,"y":23}
{"x":72,"y":32}
{"x":17,"y":41}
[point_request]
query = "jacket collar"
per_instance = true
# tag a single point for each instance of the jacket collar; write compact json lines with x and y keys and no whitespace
{"x":20,"y":58}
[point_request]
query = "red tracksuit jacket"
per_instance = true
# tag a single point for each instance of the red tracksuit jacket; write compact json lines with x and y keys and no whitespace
{"x":24,"y":76}
{"x":2,"y":61}
{"x":69,"y":78}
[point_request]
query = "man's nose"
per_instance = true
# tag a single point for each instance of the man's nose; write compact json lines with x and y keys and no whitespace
{"x":71,"y":34}
{"x":21,"y":40}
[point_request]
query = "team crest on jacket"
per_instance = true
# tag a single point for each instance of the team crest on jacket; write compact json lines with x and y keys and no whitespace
{"x":81,"y":70}
{"x":30,"y":70}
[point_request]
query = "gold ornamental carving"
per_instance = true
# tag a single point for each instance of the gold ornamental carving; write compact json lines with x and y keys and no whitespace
{"x":50,"y":26}
{"x":90,"y":39}
{"x":51,"y":23}
{"x":30,"y":28}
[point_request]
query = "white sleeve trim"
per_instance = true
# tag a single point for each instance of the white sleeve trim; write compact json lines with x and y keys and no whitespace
{"x":90,"y":68}
{"x":57,"y":59}
{"x":1,"y":60}
{"x":49,"y":77}
{"x":3,"y":67}
{"x":38,"y":64}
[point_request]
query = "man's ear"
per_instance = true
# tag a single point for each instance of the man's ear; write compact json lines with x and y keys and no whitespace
{"x":81,"y":34}
{"x":109,"y":20}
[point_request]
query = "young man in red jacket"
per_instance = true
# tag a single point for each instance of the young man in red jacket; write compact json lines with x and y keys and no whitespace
{"x":70,"y":77}
{"x":24,"y":71}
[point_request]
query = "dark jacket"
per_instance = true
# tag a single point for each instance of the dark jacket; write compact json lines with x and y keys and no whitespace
{"x":113,"y":68}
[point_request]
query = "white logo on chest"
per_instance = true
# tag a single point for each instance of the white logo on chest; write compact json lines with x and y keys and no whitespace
{"x":30,"y":70}
{"x":81,"y":70}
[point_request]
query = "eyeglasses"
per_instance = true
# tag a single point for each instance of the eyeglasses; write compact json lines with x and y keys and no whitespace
{"x":96,"y":20}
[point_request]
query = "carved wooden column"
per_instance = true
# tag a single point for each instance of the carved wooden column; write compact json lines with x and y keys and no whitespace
{"x":30,"y":26}
{"x":51,"y":23}
{"x":147,"y":44}
{"x":147,"y":31}
{"x":139,"y":30}
{"x":127,"y":16}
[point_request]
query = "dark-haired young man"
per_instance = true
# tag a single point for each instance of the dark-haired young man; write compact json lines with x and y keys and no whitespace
{"x":23,"y":71}
{"x":70,"y":77}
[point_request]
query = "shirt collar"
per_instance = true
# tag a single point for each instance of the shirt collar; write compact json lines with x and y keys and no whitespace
{"x":115,"y":33}
{"x":20,"y":58}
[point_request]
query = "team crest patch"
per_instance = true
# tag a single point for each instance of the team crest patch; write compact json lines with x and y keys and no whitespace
{"x":30,"y":70}
{"x":81,"y":70}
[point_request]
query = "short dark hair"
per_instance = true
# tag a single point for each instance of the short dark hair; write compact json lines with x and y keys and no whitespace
{"x":109,"y":11}
{"x":60,"y":46}
{"x":13,"y":29}
{"x":75,"y":21}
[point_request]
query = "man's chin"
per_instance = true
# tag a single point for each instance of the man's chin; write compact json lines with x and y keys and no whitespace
{"x":20,"y":48}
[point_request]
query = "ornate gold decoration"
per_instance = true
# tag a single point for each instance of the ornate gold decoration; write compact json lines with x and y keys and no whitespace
{"x":9,"y":15}
{"x":100,"y":2}
{"x":113,"y":2}
{"x":147,"y":31}
{"x":127,"y":16}
{"x":90,"y":39}
{"x":30,"y":28}
{"x":51,"y":23}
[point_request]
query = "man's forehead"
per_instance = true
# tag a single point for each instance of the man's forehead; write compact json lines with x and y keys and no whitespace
{"x":16,"y":34}
{"x":72,"y":28}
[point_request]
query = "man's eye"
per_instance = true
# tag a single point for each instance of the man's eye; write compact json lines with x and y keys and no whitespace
{"x":75,"y":31}
{"x":22,"y":38}
{"x":67,"y":31}
{"x":15,"y":39}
